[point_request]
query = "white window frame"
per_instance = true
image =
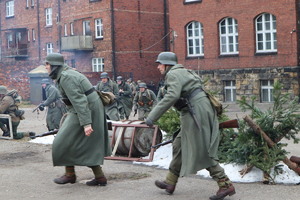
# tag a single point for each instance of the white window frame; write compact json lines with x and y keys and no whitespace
{"x":84,"y":27}
{"x":49,"y":48}
{"x":98,"y":28}
{"x":27,"y":3}
{"x":268,"y":89}
{"x":9,"y":38}
{"x":28,"y":35}
{"x":228,"y":29}
{"x":230,"y":91}
{"x":10,"y":8}
{"x":266,"y":33}
{"x":71,"y":28}
{"x":48,"y":13}
{"x":33,"y":34}
{"x":98,"y":64}
{"x":195,"y":39}
{"x":66,"y":29}
{"x":32,"y":3}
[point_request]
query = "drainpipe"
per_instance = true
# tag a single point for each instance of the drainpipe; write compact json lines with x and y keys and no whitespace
{"x":114,"y":71}
{"x":298,"y":43}
{"x":38,"y":28}
{"x":59,"y":25}
{"x":166,"y":25}
{"x":0,"y":37}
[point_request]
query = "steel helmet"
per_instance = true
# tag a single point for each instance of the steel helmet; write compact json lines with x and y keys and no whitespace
{"x":167,"y":58}
{"x":45,"y":81}
{"x":55,"y":59}
{"x":142,"y":85}
{"x":3,"y":89}
{"x":119,"y":78}
{"x":104,"y":75}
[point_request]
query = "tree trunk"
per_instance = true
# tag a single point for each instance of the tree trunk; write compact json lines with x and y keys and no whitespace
{"x":270,"y":143}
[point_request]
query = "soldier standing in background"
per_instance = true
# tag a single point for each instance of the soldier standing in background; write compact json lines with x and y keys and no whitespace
{"x":143,"y":101}
{"x":124,"y":98}
{"x":82,"y":139}
{"x":196,"y":146}
{"x":8,"y":105}
{"x":56,"y":107}
{"x":107,"y":85}
{"x":132,"y":85}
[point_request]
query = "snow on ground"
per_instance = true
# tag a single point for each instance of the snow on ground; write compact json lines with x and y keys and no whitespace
{"x":163,"y":155}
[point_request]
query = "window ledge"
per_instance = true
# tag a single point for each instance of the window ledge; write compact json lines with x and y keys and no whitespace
{"x":265,"y":53}
{"x":99,"y":38}
{"x":194,"y":57}
{"x":8,"y":17}
{"x":48,"y":26}
{"x":228,"y":55}
{"x":192,"y":2}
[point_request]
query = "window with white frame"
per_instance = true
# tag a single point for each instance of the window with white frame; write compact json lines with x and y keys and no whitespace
{"x":86,"y":28}
{"x":10,"y":8}
{"x":195,"y":41}
{"x":66,"y":30}
{"x":49,"y":47}
{"x":9,"y":38}
{"x":229,"y":91}
{"x":27,"y":3}
{"x":32,"y":3}
{"x":98,"y":64}
{"x":71,"y":28}
{"x":33,"y":35}
{"x":266,"y":33}
{"x":228,"y":29}
{"x":98,"y":28}
{"x":28,"y":35}
{"x":267,"y":90}
{"x":48,"y":16}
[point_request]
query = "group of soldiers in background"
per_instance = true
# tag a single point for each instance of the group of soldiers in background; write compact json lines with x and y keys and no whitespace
{"x":129,"y":97}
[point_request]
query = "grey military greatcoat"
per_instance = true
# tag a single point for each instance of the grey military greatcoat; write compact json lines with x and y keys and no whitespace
{"x":199,"y":146}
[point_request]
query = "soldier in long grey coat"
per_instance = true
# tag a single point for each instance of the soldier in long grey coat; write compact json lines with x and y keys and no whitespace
{"x":56,"y":108}
{"x":107,"y":85}
{"x":83,"y":137}
{"x":196,"y":145}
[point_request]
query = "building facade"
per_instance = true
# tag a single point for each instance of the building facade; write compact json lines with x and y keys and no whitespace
{"x":241,"y":47}
{"x":116,"y":36}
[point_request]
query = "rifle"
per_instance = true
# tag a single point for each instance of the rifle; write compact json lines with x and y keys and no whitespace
{"x":45,"y":134}
{"x":36,"y":108}
{"x":227,"y":124}
{"x":53,"y":132}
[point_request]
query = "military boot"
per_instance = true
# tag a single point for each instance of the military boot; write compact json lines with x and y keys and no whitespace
{"x":295,"y":159}
{"x":6,"y":134}
{"x":225,"y":188}
{"x":102,"y":181}
{"x":65,"y":179}
{"x":169,"y":184}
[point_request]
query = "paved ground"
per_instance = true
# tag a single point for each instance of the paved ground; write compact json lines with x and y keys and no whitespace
{"x":26,"y":172}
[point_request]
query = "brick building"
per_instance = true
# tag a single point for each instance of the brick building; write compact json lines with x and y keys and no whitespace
{"x":117,"y":36}
{"x":242,"y":47}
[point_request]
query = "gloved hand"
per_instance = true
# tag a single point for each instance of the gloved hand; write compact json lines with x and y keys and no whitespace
{"x":149,"y":122}
{"x":42,"y":107}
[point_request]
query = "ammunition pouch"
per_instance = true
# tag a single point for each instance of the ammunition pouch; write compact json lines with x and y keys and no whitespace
{"x":150,"y":103}
{"x":66,"y":101}
{"x":140,"y":103}
{"x":181,"y":103}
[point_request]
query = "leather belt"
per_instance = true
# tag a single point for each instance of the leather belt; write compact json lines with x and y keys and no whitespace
{"x":195,"y":92}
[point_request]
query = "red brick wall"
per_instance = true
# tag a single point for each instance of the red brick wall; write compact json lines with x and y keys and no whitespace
{"x":139,"y":25}
{"x":209,"y":13}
